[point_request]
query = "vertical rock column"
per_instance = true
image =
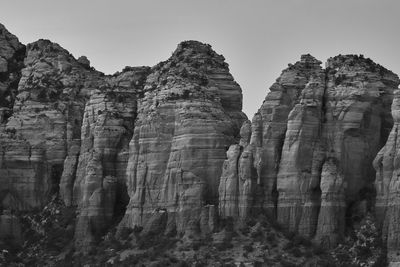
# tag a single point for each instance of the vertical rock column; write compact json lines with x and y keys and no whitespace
{"x":264,"y":137}
{"x":100,"y":185}
{"x":358,"y":97}
{"x":299,"y":169}
{"x":188,"y":117}
{"x":46,"y":118}
{"x":387,"y":184}
{"x":331,"y":219}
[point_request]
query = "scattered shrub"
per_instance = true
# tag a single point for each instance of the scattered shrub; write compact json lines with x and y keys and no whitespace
{"x":248,"y":248}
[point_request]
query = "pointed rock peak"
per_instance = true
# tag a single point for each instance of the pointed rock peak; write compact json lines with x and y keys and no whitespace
{"x":47,"y":51}
{"x":194,"y":46}
{"x":306,"y":62}
{"x":84,"y":61}
{"x":4,"y":33}
{"x":309,"y":59}
{"x":9,"y":43}
{"x":195,"y":51}
{"x":46,"y":46}
{"x":192,"y":62}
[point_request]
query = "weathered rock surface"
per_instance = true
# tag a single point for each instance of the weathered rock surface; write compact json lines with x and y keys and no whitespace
{"x":309,"y":158}
{"x":387,"y":203}
{"x":108,"y":122}
{"x":12,"y":54}
{"x":262,"y":141}
{"x":188,"y":117}
{"x":168,"y":148}
{"x":45,"y":124}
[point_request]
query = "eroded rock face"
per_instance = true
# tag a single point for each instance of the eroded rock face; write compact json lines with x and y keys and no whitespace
{"x":45,"y":124}
{"x":169,"y":149}
{"x":108,"y":122}
{"x":359,"y":94}
{"x":299,"y":167}
{"x":309,"y":159}
{"x":262,"y":141}
{"x":12,"y":54}
{"x":188,"y":117}
{"x":387,"y":203}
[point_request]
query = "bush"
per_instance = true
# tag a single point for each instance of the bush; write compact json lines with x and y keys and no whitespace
{"x":271,"y":238}
{"x":299,"y":240}
{"x":248,"y":248}
{"x":318,"y":250}
{"x":296,"y":252}
{"x":124,"y":233}
{"x":289,"y":245}
{"x":286,"y":263}
{"x":224,"y":246}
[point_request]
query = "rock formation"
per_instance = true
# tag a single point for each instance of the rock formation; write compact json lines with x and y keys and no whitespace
{"x":45,"y":124}
{"x":108,"y":122}
{"x":188,"y":117}
{"x":168,"y":150}
{"x":309,"y":158}
{"x":12,"y":54}
{"x":387,"y":203}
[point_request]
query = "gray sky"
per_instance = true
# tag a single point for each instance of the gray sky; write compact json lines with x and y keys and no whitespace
{"x":257,"y":37}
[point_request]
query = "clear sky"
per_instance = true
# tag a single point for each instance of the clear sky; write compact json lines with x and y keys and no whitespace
{"x":257,"y":37}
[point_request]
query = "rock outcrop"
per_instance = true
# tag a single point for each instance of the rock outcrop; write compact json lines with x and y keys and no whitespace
{"x":263,"y":140}
{"x":387,"y":203}
{"x":168,"y":150}
{"x":309,"y":158}
{"x":44,"y":127}
{"x":188,"y":117}
{"x":12,"y":54}
{"x":108,"y":123}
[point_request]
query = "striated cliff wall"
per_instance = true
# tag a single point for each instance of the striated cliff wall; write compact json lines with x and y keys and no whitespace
{"x":44,"y":126}
{"x":188,"y":117}
{"x":168,"y":148}
{"x":308,"y":160}
{"x":386,"y":164}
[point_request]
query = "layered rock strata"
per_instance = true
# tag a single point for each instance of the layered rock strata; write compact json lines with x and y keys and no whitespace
{"x":12,"y":54}
{"x":387,"y":203}
{"x":309,"y":158}
{"x":188,"y":117}
{"x":45,"y":124}
{"x":108,"y":123}
{"x":263,"y":139}
{"x":173,"y":143}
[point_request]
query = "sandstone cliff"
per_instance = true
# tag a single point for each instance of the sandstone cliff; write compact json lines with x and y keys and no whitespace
{"x":168,"y":150}
{"x":44,"y":126}
{"x":309,"y":158}
{"x":188,"y":117}
{"x":386,"y":164}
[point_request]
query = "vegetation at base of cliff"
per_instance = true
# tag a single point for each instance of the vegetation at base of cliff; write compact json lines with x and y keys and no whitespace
{"x":47,"y":236}
{"x":48,"y":242}
{"x":362,"y":247}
